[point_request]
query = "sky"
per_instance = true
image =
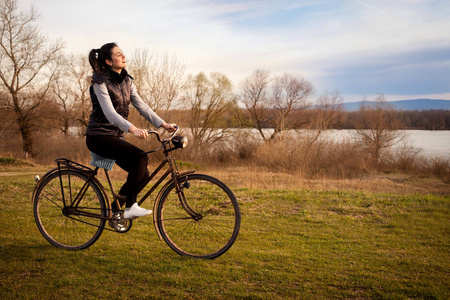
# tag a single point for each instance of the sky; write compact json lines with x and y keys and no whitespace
{"x":359,"y":48}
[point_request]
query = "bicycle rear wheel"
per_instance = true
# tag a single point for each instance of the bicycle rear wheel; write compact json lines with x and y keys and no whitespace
{"x":204,"y":226}
{"x":62,"y":222}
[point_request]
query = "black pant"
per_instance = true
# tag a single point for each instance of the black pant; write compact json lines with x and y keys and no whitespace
{"x":129,"y":157}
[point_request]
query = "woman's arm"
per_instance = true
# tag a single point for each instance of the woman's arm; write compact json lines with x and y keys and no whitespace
{"x":145,"y":110}
{"x":116,"y":119}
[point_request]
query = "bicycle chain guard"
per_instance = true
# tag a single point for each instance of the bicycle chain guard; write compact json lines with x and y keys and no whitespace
{"x":119,"y":223}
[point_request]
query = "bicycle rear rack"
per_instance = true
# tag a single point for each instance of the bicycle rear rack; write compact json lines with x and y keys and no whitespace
{"x":72,"y":165}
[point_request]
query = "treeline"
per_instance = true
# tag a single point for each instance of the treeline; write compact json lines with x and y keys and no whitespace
{"x":415,"y":120}
{"x":427,"y":120}
{"x":406,"y":120}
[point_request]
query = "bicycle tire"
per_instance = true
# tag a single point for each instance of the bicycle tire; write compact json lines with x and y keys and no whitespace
{"x":217,"y":229}
{"x":54,"y":220}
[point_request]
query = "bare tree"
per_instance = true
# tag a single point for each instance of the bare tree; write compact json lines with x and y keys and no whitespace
{"x":290,"y":92}
{"x":325,"y":114}
{"x":71,"y":93}
{"x":81,"y":71}
{"x":270,"y":102}
{"x":62,"y":91}
{"x":139,"y":68}
{"x":158,"y":79}
{"x":26,"y":68}
{"x":256,"y":100}
{"x":209,"y":100}
{"x":328,"y":111}
{"x":377,"y":126}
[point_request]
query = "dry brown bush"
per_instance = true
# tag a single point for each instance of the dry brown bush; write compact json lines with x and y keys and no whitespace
{"x":316,"y":160}
{"x":408,"y":160}
{"x":302,"y":157}
{"x":320,"y":158}
{"x":51,"y":146}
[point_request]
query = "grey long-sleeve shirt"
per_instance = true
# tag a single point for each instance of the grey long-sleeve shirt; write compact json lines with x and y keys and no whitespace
{"x":116,"y":119}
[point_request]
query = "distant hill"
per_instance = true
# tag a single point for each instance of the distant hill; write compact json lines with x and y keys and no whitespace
{"x":416,"y":104}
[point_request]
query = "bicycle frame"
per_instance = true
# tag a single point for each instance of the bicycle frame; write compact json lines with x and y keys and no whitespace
{"x":72,"y":206}
{"x":173,"y":170}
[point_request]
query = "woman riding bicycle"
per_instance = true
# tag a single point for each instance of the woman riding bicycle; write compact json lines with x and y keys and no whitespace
{"x":111,"y":92}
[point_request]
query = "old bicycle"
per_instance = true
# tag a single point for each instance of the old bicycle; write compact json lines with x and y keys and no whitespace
{"x":195,"y":214}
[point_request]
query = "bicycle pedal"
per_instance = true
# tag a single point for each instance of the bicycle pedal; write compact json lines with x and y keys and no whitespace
{"x":119,"y":223}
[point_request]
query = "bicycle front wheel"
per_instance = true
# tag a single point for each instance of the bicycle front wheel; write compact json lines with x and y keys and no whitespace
{"x":69,"y":210}
{"x":203,"y":221}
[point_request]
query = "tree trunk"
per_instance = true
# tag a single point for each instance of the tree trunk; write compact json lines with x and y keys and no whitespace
{"x":25,"y":132}
{"x":27,"y":141}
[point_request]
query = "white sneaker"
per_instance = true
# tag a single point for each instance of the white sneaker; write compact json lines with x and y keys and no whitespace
{"x":136,"y":211}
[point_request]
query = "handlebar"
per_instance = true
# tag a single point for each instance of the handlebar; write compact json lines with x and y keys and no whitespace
{"x":177,"y":141}
{"x":167,"y":139}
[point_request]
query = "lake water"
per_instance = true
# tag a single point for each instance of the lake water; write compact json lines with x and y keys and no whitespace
{"x":429,"y":143}
{"x":432,"y":143}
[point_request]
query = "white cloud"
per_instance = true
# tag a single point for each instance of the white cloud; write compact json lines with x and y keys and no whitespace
{"x":314,"y":37}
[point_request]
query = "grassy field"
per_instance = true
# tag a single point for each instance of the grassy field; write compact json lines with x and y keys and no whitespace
{"x":294,"y":244}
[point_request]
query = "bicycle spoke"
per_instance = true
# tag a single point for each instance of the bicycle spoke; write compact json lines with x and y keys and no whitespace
{"x":79,"y":220}
{"x":57,"y":224}
{"x":179,"y":229}
{"x":218,"y":221}
{"x":52,"y":201}
{"x":181,"y":218}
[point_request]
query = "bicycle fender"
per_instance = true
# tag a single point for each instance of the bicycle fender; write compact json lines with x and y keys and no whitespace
{"x":41,"y":180}
{"x":155,"y":206}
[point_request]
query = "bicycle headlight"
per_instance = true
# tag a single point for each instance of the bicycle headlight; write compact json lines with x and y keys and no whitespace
{"x":180,"y":141}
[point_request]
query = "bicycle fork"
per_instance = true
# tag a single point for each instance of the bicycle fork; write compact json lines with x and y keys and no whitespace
{"x":183,"y":201}
{"x":180,"y":187}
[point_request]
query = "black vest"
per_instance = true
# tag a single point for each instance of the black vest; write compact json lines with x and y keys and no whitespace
{"x":119,"y":89}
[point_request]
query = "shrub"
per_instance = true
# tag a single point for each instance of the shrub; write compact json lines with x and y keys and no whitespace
{"x":303,"y":154}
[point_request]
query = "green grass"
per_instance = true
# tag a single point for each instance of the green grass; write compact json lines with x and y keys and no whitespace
{"x":293,"y":245}
{"x":13,"y":162}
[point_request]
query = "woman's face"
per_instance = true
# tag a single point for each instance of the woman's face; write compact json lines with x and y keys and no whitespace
{"x":117,"y":61}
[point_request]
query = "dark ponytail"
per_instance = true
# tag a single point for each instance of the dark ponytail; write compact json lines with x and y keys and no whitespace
{"x":98,"y":57}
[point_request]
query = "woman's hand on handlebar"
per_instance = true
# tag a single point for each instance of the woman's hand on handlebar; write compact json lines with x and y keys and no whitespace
{"x":137,"y":132}
{"x":169,"y":127}
{"x":143,"y":133}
